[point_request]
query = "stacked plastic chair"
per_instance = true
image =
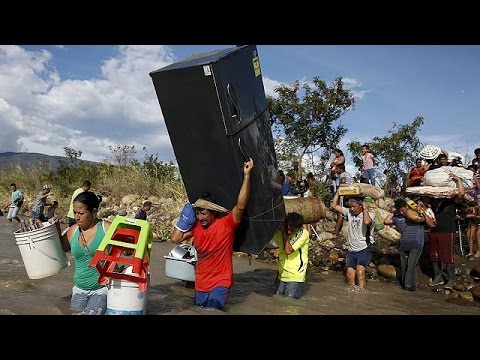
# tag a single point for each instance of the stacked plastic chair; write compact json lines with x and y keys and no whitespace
{"x":127,"y":242}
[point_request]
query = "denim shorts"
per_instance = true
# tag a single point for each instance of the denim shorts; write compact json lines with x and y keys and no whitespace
{"x":89,"y":302}
{"x":291,"y":289}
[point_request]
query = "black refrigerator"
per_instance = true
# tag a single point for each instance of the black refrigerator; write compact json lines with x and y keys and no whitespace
{"x":216,"y":115}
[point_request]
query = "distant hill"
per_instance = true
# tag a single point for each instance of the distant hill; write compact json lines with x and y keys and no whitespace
{"x":27,"y":161}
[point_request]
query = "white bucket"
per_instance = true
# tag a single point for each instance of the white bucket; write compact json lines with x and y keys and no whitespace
{"x":124,"y":298}
{"x":41,"y":251}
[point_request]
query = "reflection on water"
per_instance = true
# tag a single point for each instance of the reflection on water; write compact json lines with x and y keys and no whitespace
{"x":252,"y":294}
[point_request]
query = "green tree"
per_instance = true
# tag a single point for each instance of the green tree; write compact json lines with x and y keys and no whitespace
{"x":394,"y":153}
{"x":305,"y":116}
{"x":72,"y":153}
{"x":158,"y":169}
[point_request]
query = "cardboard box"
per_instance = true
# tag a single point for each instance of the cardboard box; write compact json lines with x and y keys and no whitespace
{"x":349,"y":190}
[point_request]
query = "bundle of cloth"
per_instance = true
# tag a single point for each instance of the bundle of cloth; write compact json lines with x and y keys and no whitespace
{"x":440,"y":177}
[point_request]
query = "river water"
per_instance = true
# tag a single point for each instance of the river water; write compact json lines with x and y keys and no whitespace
{"x":252,"y":293}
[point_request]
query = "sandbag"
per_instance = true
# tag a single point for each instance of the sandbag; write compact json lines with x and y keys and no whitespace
{"x":312,"y":209}
{"x":370,"y":190}
{"x":414,"y":215}
{"x":361,"y":189}
{"x":389,"y":233}
{"x":380,"y":215}
{"x":387,"y":204}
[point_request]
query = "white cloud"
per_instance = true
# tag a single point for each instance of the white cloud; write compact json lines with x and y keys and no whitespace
{"x":11,"y":126}
{"x":354,"y":86}
{"x":40,"y":112}
{"x":269,"y":85}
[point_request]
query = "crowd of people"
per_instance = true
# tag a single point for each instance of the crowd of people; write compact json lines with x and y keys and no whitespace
{"x":212,"y":229}
{"x":82,"y":237}
{"x":440,"y":217}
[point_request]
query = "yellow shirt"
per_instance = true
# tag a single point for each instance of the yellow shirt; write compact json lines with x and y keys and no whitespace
{"x":293,"y":267}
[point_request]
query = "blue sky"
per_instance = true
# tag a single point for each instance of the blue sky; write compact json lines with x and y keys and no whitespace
{"x":89,"y":97}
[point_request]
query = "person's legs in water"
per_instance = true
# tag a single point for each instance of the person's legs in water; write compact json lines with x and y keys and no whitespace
{"x":364,"y":257}
{"x":97,"y":302}
{"x":89,"y":302}
{"x":214,"y":299}
{"x":79,"y":299}
{"x":294,"y":289}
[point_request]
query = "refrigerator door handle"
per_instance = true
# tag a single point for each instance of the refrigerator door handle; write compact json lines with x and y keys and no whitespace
{"x":233,"y":104}
{"x":241,"y":145}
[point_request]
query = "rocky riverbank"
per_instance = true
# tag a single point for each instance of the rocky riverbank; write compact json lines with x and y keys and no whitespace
{"x":327,"y":251}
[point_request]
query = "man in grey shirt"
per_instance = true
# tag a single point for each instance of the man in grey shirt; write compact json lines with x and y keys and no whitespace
{"x":360,"y":221}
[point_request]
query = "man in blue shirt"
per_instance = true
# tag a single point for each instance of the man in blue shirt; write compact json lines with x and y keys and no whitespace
{"x":411,"y":242}
{"x":16,"y":203}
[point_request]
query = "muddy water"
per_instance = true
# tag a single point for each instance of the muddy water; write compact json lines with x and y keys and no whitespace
{"x":252,"y":293}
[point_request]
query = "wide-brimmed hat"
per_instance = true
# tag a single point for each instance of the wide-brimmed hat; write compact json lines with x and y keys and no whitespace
{"x":205,"y":204}
{"x":430,"y":152}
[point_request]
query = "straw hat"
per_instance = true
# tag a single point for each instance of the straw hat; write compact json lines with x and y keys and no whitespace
{"x":205,"y":204}
{"x":430,"y":152}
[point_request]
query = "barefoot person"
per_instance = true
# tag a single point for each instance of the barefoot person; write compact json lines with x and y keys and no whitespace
{"x":360,"y":221}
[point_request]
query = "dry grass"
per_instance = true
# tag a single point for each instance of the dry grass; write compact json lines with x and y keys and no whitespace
{"x":117,"y":182}
{"x":112,"y":181}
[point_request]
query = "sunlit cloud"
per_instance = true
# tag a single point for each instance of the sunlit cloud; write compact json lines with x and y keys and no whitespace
{"x":269,"y":86}
{"x":355,"y":87}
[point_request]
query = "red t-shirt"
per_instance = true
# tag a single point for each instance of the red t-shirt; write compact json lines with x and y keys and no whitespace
{"x":214,"y":247}
{"x":416,"y":175}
